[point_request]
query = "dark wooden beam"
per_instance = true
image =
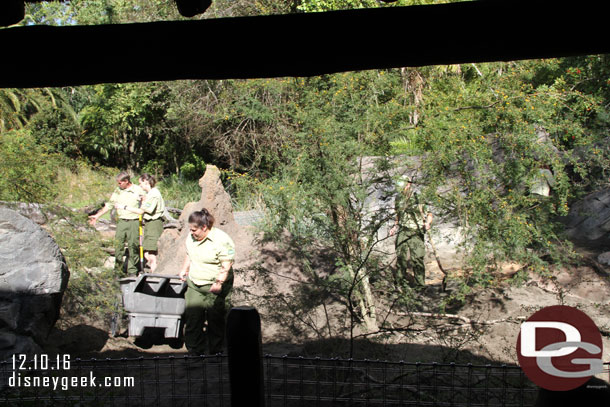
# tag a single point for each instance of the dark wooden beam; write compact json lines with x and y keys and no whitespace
{"x":11,"y":12}
{"x":302,"y":44}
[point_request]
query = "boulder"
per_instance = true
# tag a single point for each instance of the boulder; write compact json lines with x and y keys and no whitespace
{"x":33,"y":277}
{"x":33,"y":211}
{"x":589,"y":219}
{"x":604,"y":258}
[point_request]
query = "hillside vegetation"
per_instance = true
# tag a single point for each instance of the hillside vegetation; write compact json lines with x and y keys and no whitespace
{"x":291,"y":146}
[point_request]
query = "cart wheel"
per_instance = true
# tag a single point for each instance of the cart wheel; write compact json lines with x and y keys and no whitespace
{"x":175,"y":343}
{"x":143,"y":342}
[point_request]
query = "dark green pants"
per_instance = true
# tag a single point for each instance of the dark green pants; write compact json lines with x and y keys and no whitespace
{"x":127,"y":232}
{"x":203,"y":306}
{"x":410,"y":253}
{"x":152,"y":232}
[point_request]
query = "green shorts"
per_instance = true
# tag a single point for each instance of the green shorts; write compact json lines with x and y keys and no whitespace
{"x":152,"y":231}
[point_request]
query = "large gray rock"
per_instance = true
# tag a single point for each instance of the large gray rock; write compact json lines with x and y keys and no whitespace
{"x":589,"y":219}
{"x":32,"y":211}
{"x":33,"y":277}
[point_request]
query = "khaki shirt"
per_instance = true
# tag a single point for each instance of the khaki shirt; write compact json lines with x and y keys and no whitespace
{"x":543,"y":183}
{"x":207,"y":255}
{"x":153,"y":205}
{"x":409,"y":211}
{"x":128,"y":196}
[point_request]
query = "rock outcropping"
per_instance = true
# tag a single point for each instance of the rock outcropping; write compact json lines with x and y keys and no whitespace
{"x":589,"y":219}
{"x":216,"y":200}
{"x":33,"y":277}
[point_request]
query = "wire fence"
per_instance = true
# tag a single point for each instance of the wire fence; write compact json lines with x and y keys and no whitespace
{"x":289,"y":381}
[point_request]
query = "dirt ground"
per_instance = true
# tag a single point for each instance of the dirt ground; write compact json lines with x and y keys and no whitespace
{"x":484,"y":330}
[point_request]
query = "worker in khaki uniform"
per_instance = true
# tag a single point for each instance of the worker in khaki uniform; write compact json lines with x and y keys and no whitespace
{"x":152,"y":210}
{"x":126,"y":195}
{"x":411,"y":224}
{"x":209,"y":275}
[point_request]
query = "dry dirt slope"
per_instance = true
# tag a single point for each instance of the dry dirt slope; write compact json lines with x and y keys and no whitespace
{"x":486,"y":327}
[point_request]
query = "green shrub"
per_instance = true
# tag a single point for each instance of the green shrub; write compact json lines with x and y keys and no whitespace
{"x":81,"y":185}
{"x":29,"y":171}
{"x":92,"y":288}
{"x":177,"y":192}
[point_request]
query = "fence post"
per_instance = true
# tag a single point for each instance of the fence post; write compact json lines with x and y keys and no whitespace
{"x":244,"y":346}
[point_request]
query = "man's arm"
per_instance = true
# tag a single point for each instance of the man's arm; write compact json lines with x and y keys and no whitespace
{"x":93,"y":218}
{"x":130,"y":209}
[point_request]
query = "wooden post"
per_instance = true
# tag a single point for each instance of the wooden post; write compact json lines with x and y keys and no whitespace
{"x":244,"y":346}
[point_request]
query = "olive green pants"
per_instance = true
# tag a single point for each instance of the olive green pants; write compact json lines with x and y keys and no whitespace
{"x":410,"y":253}
{"x":203,"y":306}
{"x":152,"y":232}
{"x":127,"y":232}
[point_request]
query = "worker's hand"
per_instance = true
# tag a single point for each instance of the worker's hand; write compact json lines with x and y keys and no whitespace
{"x":183,"y":275}
{"x":118,"y":206}
{"x":393,"y":230}
{"x":216,"y":288}
{"x":92,"y":220}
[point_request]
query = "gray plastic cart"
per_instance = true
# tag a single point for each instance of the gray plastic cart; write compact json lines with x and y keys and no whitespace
{"x":153,"y":301}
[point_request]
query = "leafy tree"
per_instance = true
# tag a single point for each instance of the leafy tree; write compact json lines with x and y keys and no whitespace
{"x":488,"y":132}
{"x":28,"y":169}
{"x":319,"y":198}
{"x":310,"y":6}
{"x":125,"y":124}
{"x":18,"y":106}
{"x":318,"y":201}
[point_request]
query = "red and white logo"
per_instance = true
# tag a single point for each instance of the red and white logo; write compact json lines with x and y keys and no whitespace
{"x":559,"y":348}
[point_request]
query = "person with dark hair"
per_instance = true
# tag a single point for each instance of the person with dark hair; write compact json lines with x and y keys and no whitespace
{"x":152,"y":210}
{"x":208,"y":272}
{"x":125,"y":195}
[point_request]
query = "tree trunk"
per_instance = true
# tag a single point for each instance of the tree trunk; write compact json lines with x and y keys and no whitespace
{"x":365,"y":301}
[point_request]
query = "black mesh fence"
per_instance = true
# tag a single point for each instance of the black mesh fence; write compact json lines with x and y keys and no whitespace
{"x":289,"y":381}
{"x":340,"y":382}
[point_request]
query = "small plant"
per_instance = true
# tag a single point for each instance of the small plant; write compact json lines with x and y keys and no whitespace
{"x":92,"y":288}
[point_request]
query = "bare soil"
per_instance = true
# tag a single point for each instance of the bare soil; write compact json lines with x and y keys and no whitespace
{"x":484,"y":330}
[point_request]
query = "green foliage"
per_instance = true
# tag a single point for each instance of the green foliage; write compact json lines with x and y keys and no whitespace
{"x":177,"y":191}
{"x":193,"y":169}
{"x":409,"y":145}
{"x":316,"y":202}
{"x":124,"y":125}
{"x":58,"y":130}
{"x":87,"y":12}
{"x":490,"y":132}
{"x":245,"y":190}
{"x":483,"y":131}
{"x":79,"y":185}
{"x":311,"y":6}
{"x":28,"y":169}
{"x":18,"y":106}
{"x":92,"y":289}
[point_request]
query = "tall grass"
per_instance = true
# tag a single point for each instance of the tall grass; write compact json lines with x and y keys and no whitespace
{"x":82,"y":185}
{"x":408,"y":144}
{"x":177,"y":192}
